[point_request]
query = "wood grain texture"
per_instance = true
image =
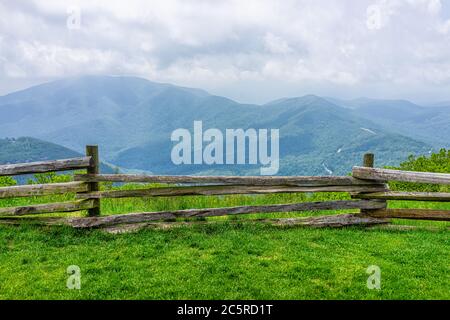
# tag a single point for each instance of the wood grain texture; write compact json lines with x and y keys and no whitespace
{"x":413,"y":196}
{"x":94,"y":168}
{"x":369,"y":160}
{"x":397,"y":175}
{"x":42,"y":189}
{"x":191,"y":213}
{"x":45,"y":166}
{"x":331,"y":221}
{"x":226,"y":180}
{"x":223,"y":190}
{"x":414,"y":214}
{"x":35,"y":220}
{"x":47,"y":208}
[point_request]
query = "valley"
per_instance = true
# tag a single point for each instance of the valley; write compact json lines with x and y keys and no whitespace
{"x":132,"y":120}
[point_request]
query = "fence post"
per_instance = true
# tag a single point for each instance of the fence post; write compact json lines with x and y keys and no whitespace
{"x":94,"y":168}
{"x":369,"y":160}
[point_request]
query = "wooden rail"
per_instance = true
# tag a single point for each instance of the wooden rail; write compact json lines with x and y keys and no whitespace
{"x":404,"y":176}
{"x":42,"y":189}
{"x":367,"y":188}
{"x":413,"y":196}
{"x":384,"y":175}
{"x":214,"y":212}
{"x":47,"y":208}
{"x":224,"y":190}
{"x":88,"y":162}
{"x":45,"y":166}
{"x":226,"y":180}
{"x":413,"y":214}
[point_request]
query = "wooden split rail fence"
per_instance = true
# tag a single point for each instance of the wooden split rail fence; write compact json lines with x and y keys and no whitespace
{"x":368,"y":188}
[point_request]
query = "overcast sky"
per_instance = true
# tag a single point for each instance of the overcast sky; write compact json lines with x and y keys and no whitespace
{"x":248,"y":50}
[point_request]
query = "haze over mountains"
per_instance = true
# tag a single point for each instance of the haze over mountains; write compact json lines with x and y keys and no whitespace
{"x":430,"y":124}
{"x":132,"y":119}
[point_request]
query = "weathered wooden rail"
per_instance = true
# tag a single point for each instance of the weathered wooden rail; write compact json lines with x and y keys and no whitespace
{"x":368,"y":188}
{"x":385,"y":175}
{"x":45,"y":166}
{"x":89,"y":162}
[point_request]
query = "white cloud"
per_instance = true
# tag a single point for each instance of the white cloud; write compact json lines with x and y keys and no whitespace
{"x":352,"y":47}
{"x":380,"y":12}
{"x":378,"y":15}
{"x":444,"y":27}
{"x":275,"y":44}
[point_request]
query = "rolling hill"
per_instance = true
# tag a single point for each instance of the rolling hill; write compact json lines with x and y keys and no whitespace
{"x":132,"y":120}
{"x":27,"y":149}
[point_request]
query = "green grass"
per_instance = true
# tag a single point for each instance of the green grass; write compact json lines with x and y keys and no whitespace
{"x":223,"y":261}
{"x":239,"y":260}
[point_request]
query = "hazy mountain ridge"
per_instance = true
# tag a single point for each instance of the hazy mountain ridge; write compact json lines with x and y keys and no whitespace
{"x":27,"y":149}
{"x":132,"y":119}
{"x":430,"y":124}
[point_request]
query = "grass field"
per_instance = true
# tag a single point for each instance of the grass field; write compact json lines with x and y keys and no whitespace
{"x":231,"y":259}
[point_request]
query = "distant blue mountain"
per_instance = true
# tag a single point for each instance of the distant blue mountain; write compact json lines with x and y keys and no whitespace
{"x":429,"y":124}
{"x":132,"y":119}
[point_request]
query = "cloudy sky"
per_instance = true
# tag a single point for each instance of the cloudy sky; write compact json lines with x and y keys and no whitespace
{"x":248,"y":50}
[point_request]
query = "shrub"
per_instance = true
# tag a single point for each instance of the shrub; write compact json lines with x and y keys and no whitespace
{"x":7,"y":181}
{"x":50,"y":177}
{"x":436,"y":162}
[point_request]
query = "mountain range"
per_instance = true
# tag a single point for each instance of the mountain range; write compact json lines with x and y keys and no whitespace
{"x":26,"y":149}
{"x":429,"y":124}
{"x":132,"y":119}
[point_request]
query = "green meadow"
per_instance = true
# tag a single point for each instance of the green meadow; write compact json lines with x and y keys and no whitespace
{"x":233,"y":257}
{"x":229,"y":258}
